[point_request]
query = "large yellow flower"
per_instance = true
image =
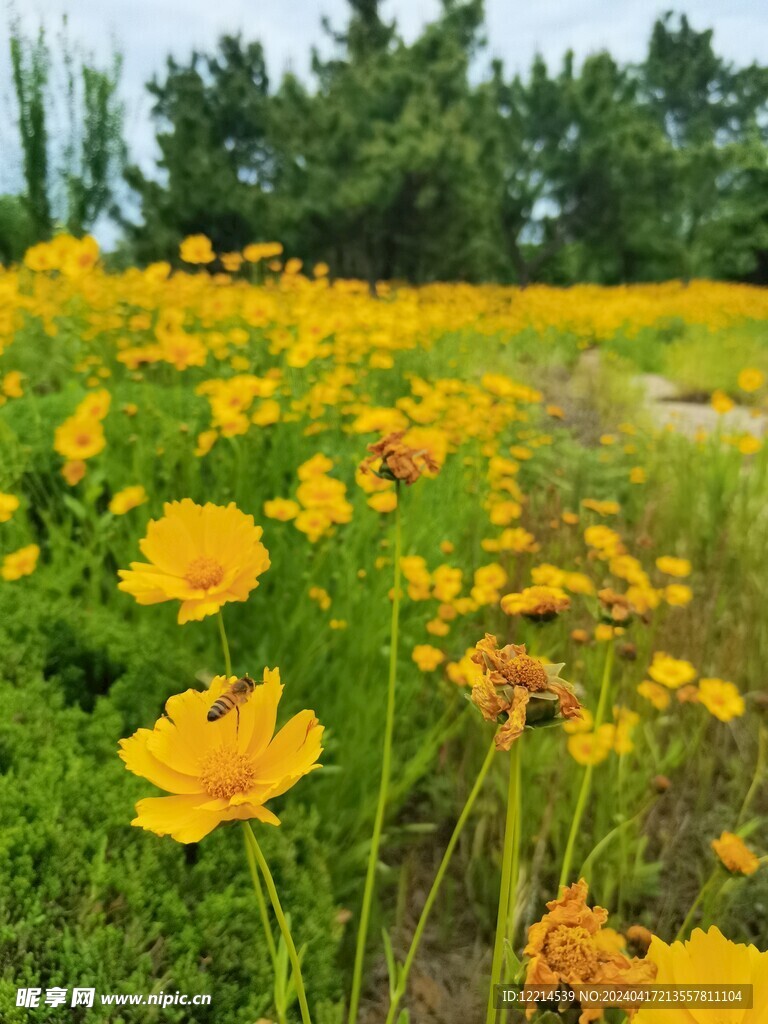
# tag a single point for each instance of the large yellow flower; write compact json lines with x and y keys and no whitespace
{"x":709,"y":958}
{"x":224,"y":770}
{"x":201,"y":555}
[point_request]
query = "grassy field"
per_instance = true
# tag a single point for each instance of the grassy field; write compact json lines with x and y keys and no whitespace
{"x":264,"y":386}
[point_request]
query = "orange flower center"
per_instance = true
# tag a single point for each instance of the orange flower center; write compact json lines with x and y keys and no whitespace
{"x":225,"y":772}
{"x":570,"y":953}
{"x":83,"y":439}
{"x":204,"y":573}
{"x":528,"y":672}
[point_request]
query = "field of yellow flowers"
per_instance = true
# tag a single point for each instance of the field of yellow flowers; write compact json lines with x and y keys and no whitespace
{"x":256,"y":525}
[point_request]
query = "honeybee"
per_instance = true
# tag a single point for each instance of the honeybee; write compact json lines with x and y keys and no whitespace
{"x":235,"y":695}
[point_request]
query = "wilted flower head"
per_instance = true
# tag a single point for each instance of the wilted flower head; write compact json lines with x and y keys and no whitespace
{"x":565,"y":947}
{"x":398,"y":460}
{"x":617,"y":608}
{"x":521,"y":687}
{"x":223,"y":770}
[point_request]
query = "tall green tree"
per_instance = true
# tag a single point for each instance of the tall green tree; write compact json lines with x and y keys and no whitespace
{"x":30,"y":63}
{"x":216,"y":160}
{"x":71,"y":174}
{"x":708,"y":111}
{"x":382,"y":174}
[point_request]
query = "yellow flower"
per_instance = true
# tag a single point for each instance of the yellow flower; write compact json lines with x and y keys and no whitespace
{"x":20,"y":563}
{"x":128,"y":498}
{"x":427,"y":657}
{"x":658,"y":695}
{"x":383,"y":502}
{"x":318,"y":465}
{"x":73,"y":471}
{"x":79,"y":438}
{"x":321,"y":596}
{"x":538,"y":603}
{"x":603,"y":508}
{"x":200,"y":555}
{"x":721,"y":699}
{"x":637,"y":475}
{"x":671,"y":672}
{"x":708,"y":957}
{"x":224,"y":770}
{"x":257,"y":251}
{"x":721,"y":402}
{"x":11,"y":385}
{"x":8,"y":505}
{"x":95,"y":406}
{"x":282,"y":509}
{"x":750,"y":445}
{"x":591,"y":747}
{"x":205,"y":441}
{"x":197,"y":249}
{"x":678,"y":595}
{"x":314,"y":522}
{"x":751,"y":379}
{"x":267,"y":413}
{"x":679,"y":567}
{"x":735,"y":854}
{"x":605,"y":632}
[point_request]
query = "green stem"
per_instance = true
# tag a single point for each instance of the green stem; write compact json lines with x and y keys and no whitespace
{"x":433,"y":892}
{"x":586,"y":782}
{"x":586,"y":867}
{"x":506,"y":881}
{"x":293,"y":956}
{"x":704,"y":891}
{"x":224,"y":645}
{"x":762,"y":755}
{"x":260,"y":898}
{"x":386,"y":770}
{"x":517,"y":759}
{"x":514,"y":880}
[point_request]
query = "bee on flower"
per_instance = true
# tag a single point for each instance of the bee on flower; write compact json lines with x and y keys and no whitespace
{"x":219,"y":770}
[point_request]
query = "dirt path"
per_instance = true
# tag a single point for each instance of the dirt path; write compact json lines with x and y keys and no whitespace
{"x":667,"y":408}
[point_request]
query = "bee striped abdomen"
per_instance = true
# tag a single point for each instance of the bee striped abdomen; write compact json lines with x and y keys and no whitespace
{"x":237,"y":694}
{"x":220,"y":707}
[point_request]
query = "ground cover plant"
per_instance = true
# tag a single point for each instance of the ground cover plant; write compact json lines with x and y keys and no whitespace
{"x":521,"y":629}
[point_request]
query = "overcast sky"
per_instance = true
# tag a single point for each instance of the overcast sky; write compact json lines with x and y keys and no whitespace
{"x":145,"y":31}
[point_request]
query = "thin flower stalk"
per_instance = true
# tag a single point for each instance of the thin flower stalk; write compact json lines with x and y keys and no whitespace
{"x":282,"y":924}
{"x":386,"y":770}
{"x":507,"y":867}
{"x":586,"y":781}
{"x":435,"y":889}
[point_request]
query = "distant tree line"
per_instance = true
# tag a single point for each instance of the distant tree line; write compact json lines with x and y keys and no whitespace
{"x":394,"y":161}
{"x":70,"y":131}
